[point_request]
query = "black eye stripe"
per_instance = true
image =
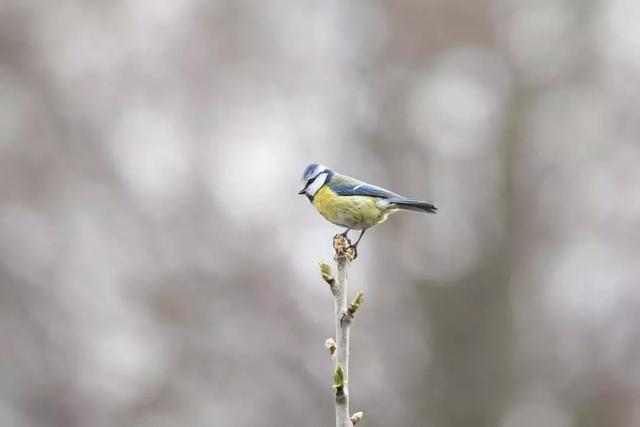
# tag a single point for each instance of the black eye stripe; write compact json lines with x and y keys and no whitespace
{"x":318,"y":176}
{"x":310,"y":180}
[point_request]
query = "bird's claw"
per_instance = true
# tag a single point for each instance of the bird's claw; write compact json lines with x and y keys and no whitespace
{"x":341,"y":243}
{"x":344,"y":248}
{"x":352,"y":252}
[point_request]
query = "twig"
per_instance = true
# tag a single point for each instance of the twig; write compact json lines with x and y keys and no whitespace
{"x":339,"y":349}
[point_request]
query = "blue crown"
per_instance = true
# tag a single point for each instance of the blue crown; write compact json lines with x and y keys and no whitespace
{"x":308,"y":172}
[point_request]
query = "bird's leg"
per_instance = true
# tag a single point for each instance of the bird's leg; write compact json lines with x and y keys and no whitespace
{"x":355,"y":245}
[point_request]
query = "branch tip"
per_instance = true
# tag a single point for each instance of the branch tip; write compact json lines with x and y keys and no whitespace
{"x":344,"y":249}
{"x":357,"y":417}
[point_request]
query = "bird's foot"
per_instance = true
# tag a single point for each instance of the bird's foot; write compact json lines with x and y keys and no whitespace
{"x":341,"y":242}
{"x":352,"y":252}
{"x":344,"y":248}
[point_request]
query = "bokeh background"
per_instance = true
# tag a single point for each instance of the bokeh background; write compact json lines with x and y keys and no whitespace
{"x":157,"y":267}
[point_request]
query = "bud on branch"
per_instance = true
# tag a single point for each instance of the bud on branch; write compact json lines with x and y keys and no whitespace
{"x":355,"y":418}
{"x":327,"y":275}
{"x":330,"y":345}
{"x":355,"y":304}
{"x":338,"y":379}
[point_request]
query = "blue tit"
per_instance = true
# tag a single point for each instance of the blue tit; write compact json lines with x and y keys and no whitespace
{"x":351,"y":203}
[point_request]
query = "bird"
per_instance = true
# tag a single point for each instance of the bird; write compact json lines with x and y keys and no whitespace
{"x":351,"y":203}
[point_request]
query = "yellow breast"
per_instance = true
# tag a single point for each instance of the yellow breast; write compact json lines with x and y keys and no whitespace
{"x":357,"y":212}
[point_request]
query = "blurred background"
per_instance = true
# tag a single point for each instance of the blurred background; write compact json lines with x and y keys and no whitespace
{"x":157,"y":267}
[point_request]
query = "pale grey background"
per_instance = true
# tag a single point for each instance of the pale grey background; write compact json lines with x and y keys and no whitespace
{"x":155,"y":260}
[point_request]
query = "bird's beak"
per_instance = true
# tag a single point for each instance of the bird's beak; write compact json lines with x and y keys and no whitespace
{"x":302,"y":190}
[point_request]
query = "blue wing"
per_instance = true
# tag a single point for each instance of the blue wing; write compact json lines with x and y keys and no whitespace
{"x":361,"y":189}
{"x":344,"y":185}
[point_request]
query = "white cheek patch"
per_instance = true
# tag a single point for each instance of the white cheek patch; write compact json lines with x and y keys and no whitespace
{"x":315,"y":185}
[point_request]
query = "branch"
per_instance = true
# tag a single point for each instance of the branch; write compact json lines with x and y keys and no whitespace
{"x":339,"y":349}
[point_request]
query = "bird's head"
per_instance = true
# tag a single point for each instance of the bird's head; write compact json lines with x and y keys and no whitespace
{"x":314,"y":177}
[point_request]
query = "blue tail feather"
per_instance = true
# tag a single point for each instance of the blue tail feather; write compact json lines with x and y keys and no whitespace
{"x":412,"y":204}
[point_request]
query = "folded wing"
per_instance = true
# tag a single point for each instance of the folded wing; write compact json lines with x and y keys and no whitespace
{"x":347,"y":186}
{"x":362,"y":189}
